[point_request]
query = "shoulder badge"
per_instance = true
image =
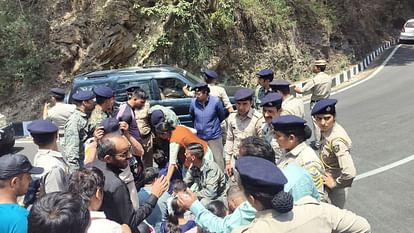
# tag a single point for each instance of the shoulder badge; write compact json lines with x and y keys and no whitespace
{"x":336,"y":148}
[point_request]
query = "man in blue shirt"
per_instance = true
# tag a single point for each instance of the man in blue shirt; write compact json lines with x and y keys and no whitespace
{"x":15,"y":170}
{"x":207,"y":113}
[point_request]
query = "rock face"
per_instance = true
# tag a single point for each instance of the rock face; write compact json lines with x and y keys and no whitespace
{"x":236,"y":37}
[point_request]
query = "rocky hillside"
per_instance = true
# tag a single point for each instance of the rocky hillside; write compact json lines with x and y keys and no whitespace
{"x":44,"y":43}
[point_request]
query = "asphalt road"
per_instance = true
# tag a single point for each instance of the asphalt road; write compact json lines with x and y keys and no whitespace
{"x":379,"y":117}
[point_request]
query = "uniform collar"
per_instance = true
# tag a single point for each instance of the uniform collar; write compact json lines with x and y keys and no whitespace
{"x":298,"y":149}
{"x":53,"y":153}
{"x":306,"y":200}
{"x":269,"y":213}
{"x":81,"y":113}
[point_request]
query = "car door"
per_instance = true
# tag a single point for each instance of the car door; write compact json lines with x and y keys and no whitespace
{"x":170,"y":94}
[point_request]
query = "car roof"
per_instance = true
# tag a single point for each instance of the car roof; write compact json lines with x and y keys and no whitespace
{"x":410,"y":20}
{"x":129,"y":70}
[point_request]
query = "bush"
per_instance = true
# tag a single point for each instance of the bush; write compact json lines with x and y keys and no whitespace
{"x":21,"y":59}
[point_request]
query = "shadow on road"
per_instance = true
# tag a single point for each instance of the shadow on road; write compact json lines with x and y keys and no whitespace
{"x":404,"y":55}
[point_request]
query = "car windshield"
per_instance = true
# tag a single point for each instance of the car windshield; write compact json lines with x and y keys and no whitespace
{"x":409,"y":24}
{"x":86,"y":87}
{"x":192,"y":78}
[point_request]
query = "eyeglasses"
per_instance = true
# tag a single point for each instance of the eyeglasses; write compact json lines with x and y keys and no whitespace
{"x":126,"y":153}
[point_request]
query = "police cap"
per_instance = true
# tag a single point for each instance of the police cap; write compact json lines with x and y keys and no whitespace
{"x":83,"y":95}
{"x":324,"y":106}
{"x":320,"y":62}
{"x":271,"y":100}
{"x":110,"y":125}
{"x":42,"y":127}
{"x":157,"y":116}
{"x":243,"y":94}
{"x":260,"y":174}
{"x":288,"y":122}
{"x":265,"y":74}
{"x":58,"y":91}
{"x":201,"y":87}
{"x":105,"y":92}
{"x":211,"y":74}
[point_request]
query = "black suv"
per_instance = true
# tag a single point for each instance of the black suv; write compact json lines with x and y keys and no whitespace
{"x":162,"y":83}
{"x":6,"y":135}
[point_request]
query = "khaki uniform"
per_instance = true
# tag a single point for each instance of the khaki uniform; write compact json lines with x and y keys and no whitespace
{"x":308,"y":215}
{"x":76,"y":134}
{"x":59,"y":114}
{"x":293,"y":106}
{"x":55,"y":171}
{"x":304,"y":156}
{"x":336,"y":158}
{"x":240,"y":128}
{"x":259,"y":94}
{"x":221,"y":93}
{"x":96,"y":118}
{"x":144,"y":128}
{"x":320,"y":85}
{"x":269,"y":136}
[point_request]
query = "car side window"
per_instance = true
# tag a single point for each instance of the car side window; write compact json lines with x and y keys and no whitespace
{"x":171,"y":88}
{"x":121,"y":86}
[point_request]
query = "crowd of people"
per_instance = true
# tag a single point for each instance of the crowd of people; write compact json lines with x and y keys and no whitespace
{"x":137,"y":169}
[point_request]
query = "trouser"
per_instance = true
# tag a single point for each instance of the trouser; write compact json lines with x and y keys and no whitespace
{"x":147,"y":158}
{"x":216,"y":145}
{"x":316,"y":130}
{"x":338,"y":196}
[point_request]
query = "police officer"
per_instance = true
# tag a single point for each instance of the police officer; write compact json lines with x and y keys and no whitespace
{"x":264,"y":76}
{"x":76,"y":130}
{"x":291,"y":133}
{"x":334,"y":152}
{"x":105,"y":99}
{"x":272,"y":107}
{"x":60,"y":112}
{"x":320,"y":85}
{"x":241,"y":124}
{"x":48,"y":157}
{"x":290,"y":105}
{"x":263,"y":184}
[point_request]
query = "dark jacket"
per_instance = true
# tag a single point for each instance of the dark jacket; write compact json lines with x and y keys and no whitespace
{"x":207,"y":118}
{"x":117,"y":204}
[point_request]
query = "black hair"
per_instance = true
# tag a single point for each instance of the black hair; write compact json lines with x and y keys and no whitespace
{"x":85,"y":182}
{"x":58,"y":98}
{"x":257,"y":147}
{"x":139,"y":93}
{"x":301,"y":133}
{"x":160,"y":158}
{"x":179,"y":186}
{"x":218,"y":208}
{"x":59,"y":213}
{"x":208,"y":79}
{"x":44,"y":139}
{"x":322,"y":68}
{"x":173,"y":225}
{"x":266,"y":77}
{"x":272,"y":198}
{"x":163,"y":127}
{"x":100,"y":99}
{"x":150,"y":174}
{"x":196,"y":149}
{"x":283,"y":89}
{"x":106,"y":146}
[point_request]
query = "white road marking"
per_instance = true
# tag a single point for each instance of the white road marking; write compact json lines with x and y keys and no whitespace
{"x":371,"y":75}
{"x":23,"y":142}
{"x":385,"y":168}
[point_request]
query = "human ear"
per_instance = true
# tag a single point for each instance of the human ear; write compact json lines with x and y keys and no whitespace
{"x":108,"y":159}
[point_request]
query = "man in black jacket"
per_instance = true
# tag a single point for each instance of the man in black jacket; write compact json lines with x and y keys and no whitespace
{"x":114,"y":152}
